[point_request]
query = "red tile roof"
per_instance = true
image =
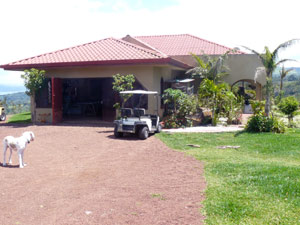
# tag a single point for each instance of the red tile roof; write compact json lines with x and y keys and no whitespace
{"x":183,"y":44}
{"x":108,"y":51}
{"x":111,"y":51}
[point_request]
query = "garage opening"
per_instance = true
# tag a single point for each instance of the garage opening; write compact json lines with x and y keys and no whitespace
{"x":88,"y":98}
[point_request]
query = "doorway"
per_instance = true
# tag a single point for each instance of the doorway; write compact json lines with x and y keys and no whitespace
{"x":88,"y":98}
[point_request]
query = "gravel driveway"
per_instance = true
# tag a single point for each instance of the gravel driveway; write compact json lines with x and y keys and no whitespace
{"x":83,"y":175}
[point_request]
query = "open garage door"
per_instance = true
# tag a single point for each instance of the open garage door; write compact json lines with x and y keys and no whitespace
{"x":88,"y":98}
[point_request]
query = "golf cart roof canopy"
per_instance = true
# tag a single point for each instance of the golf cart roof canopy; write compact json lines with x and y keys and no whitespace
{"x":141,"y":92}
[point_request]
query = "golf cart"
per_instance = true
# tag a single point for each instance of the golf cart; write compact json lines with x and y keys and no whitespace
{"x":2,"y":114}
{"x":136,"y":121}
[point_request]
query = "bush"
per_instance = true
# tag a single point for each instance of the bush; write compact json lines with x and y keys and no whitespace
{"x":289,"y":106}
{"x":173,"y":121}
{"x":261,"y":123}
{"x":257,"y":107}
{"x":179,"y":107}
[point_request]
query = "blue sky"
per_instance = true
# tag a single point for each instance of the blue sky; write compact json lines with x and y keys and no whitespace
{"x":38,"y":26}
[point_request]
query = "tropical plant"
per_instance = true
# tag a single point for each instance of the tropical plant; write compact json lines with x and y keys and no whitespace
{"x":270,"y":62}
{"x":289,"y":106}
{"x":34,"y":80}
{"x":187,"y":107}
{"x":212,"y":68}
{"x":283,"y":73}
{"x":123,"y":83}
{"x":257,"y":107}
{"x":279,"y":97}
{"x":171,"y":97}
{"x":262,"y":123}
{"x":215,"y":97}
{"x":179,"y":107}
{"x":231,"y":107}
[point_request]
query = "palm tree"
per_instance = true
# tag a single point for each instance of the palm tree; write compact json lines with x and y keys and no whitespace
{"x":269,"y":61}
{"x":213,"y":96}
{"x":283,"y":74}
{"x":212,"y":68}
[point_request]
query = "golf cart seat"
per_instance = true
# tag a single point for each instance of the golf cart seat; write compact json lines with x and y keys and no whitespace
{"x":126,"y":112}
{"x":138,"y":112}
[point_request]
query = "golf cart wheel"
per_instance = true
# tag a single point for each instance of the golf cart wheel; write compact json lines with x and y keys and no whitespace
{"x":144,"y":133}
{"x":116,"y":133}
{"x":3,"y":117}
{"x":159,"y":128}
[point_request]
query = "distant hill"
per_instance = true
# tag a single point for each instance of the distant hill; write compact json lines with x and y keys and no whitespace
{"x":16,"y":102}
{"x":291,"y":83}
{"x":295,"y":71}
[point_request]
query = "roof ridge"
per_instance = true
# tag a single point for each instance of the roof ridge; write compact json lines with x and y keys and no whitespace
{"x":211,"y":42}
{"x":161,"y":35}
{"x":148,"y":45}
{"x":141,"y":48}
{"x":193,"y":36}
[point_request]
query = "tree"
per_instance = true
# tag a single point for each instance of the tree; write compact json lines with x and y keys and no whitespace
{"x":33,"y":81}
{"x":283,"y":74}
{"x":289,"y":106}
{"x":123,"y":83}
{"x":270,"y":62}
{"x":210,"y":68}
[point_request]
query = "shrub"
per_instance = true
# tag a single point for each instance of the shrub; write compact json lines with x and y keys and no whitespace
{"x":261,"y":123}
{"x":123,"y":83}
{"x":173,"y":121}
{"x":257,"y":107}
{"x":220,"y":100}
{"x":289,"y":106}
{"x":179,"y":107}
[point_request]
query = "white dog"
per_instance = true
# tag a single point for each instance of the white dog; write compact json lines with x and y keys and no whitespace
{"x":17,"y":144}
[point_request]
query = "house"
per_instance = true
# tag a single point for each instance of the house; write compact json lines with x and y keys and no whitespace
{"x":80,"y":78}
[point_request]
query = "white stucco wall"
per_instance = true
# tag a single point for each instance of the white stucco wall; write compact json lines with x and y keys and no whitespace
{"x":243,"y":67}
{"x":240,"y":67}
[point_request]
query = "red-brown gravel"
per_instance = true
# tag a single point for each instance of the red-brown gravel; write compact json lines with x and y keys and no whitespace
{"x":83,"y":175}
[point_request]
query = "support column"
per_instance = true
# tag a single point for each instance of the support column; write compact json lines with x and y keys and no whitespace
{"x":57,"y":100}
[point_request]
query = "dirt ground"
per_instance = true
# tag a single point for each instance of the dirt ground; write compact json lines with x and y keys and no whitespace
{"x":83,"y":175}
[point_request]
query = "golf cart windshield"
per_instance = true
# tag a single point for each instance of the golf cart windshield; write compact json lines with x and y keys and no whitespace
{"x":141,"y":92}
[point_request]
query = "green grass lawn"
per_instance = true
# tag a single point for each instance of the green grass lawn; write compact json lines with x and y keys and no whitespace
{"x":258,"y":183}
{"x":20,"y":118}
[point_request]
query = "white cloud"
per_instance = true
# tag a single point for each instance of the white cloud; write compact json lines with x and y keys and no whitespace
{"x":34,"y":27}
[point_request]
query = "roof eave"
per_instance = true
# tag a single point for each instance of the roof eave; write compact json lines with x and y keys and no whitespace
{"x":96,"y":63}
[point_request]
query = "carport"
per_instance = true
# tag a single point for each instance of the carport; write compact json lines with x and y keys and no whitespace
{"x":78,"y":98}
